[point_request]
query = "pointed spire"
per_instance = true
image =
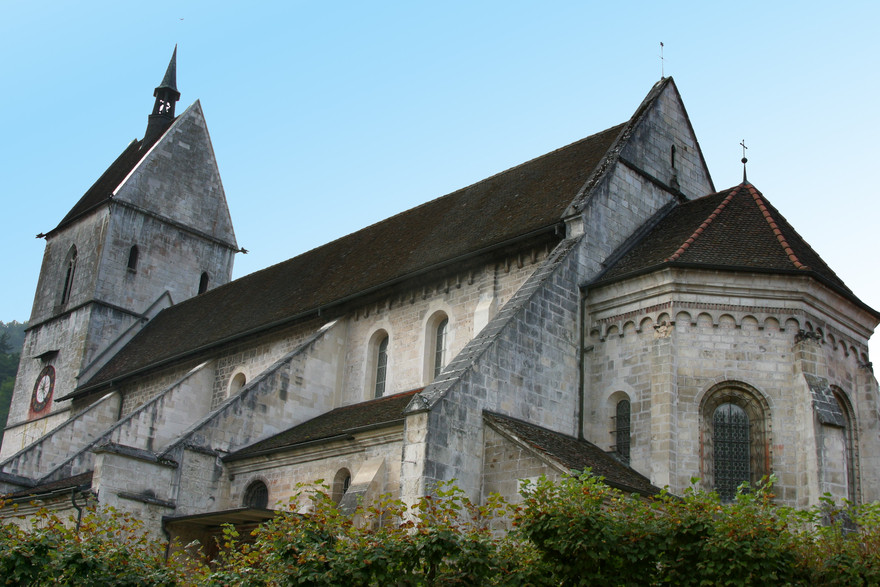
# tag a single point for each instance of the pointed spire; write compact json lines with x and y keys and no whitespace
{"x":169,"y":82}
{"x":163,"y":108}
{"x":744,"y":160}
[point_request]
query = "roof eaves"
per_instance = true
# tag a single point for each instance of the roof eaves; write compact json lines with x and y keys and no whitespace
{"x":846,"y":293}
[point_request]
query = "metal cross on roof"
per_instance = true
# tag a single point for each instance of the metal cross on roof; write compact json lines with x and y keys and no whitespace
{"x":744,"y":160}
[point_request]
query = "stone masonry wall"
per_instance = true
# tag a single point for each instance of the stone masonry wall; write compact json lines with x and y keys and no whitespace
{"x":283,"y":472}
{"x":523,"y":364}
{"x":61,"y":442}
{"x":650,"y":146}
{"x":666,"y":349}
{"x":506,"y":465}
{"x":407,"y":315}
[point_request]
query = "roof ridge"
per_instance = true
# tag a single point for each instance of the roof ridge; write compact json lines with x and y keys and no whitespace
{"x":774,"y":226}
{"x":702,"y":228}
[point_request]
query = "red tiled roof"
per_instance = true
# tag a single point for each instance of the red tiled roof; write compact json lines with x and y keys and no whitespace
{"x":736,"y":229}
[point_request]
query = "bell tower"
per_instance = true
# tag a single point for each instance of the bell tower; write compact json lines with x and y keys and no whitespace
{"x":166,"y":95}
{"x":153,"y":230}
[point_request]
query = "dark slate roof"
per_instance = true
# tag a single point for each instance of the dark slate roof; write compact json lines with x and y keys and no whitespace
{"x":521,"y":201}
{"x":102,"y":190}
{"x":576,"y":455}
{"x":83,"y":479}
{"x":339,"y":423}
{"x":736,"y":229}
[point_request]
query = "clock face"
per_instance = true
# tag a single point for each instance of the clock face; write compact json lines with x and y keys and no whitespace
{"x":43,"y":389}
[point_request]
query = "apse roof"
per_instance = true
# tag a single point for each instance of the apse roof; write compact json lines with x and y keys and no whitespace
{"x":735,"y":229}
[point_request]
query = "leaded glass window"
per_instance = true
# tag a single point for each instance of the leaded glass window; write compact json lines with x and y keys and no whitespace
{"x":381,"y":367}
{"x":622,"y":430}
{"x":256,"y":496}
{"x":730,"y":425}
{"x":440,"y":347}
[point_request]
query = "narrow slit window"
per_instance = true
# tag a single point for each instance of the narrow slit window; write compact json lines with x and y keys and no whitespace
{"x":440,"y":347}
{"x":622,"y":433}
{"x":133,"y":258}
{"x":69,"y":272}
{"x":203,"y":283}
{"x":381,"y":366}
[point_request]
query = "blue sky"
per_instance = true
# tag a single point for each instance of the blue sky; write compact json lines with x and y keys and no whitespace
{"x":327,"y":117}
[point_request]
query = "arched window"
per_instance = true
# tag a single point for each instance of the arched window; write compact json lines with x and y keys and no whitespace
{"x":203,"y":283}
{"x":236,"y":383}
{"x":735,"y":437}
{"x":851,"y":445}
{"x":381,"y":367}
{"x":256,"y":496}
{"x":69,"y":272}
{"x":440,"y":346}
{"x":133,"y":258}
{"x":341,"y":483}
{"x":622,"y":430}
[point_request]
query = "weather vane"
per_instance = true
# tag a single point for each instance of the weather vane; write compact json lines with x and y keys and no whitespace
{"x":744,"y":160}
{"x":662,"y":72}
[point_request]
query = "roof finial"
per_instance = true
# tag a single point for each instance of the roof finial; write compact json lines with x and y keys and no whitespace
{"x":662,"y":72}
{"x":744,"y":160}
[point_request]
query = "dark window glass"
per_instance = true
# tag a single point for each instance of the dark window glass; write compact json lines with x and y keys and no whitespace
{"x":731,"y":446}
{"x":622,"y":434}
{"x":440,"y":347}
{"x":381,"y":366}
{"x":69,"y":272}
{"x":133,"y":258}
{"x":256,"y":496}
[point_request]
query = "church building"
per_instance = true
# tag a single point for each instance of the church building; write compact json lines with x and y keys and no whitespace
{"x":602,"y":306}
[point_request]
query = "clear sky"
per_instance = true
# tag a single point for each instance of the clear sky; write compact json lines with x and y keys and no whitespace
{"x":329,"y":116}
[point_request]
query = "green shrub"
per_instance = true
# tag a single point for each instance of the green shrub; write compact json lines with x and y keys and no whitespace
{"x":576,"y":531}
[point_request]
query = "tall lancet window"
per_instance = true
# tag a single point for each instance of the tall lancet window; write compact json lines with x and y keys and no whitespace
{"x":69,"y":272}
{"x":622,"y":430}
{"x":440,"y":346}
{"x":381,"y":366}
{"x":731,"y":441}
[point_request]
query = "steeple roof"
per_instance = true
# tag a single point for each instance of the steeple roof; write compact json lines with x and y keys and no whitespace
{"x":735,"y":229}
{"x":169,"y":82}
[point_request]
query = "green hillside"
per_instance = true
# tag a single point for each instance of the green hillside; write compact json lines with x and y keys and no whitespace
{"x":11,"y":340}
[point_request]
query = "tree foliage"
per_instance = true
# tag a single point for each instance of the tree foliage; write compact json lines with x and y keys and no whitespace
{"x":108,"y":548}
{"x":576,"y":531}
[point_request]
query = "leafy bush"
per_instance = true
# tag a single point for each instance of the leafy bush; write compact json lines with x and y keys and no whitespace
{"x":109,"y":548}
{"x":576,"y":531}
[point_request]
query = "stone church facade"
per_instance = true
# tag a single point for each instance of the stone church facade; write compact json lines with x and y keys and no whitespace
{"x":601,"y":306}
